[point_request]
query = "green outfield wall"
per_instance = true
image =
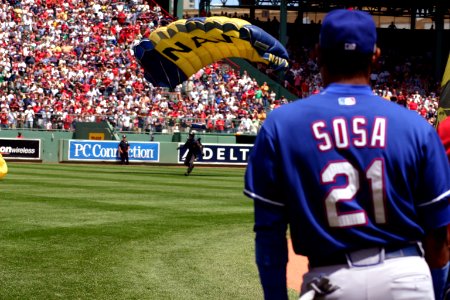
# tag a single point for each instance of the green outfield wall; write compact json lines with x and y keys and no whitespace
{"x":54,"y":145}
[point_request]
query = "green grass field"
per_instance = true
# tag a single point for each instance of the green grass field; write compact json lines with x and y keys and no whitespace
{"x":72,"y":231}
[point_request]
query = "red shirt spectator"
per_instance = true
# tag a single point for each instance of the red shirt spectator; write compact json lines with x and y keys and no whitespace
{"x":220,"y":125}
{"x":121,"y":18}
{"x":4,"y":119}
{"x":412,"y":105}
{"x":444,"y":133}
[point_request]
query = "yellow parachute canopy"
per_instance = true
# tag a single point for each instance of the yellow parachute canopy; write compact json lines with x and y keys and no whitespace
{"x":171,"y":54}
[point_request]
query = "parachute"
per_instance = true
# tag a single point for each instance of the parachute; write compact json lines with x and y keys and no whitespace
{"x":171,"y":54}
{"x":3,"y":167}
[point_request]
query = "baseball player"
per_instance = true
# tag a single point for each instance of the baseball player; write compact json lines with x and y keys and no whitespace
{"x":362,"y":183}
{"x":195,"y":149}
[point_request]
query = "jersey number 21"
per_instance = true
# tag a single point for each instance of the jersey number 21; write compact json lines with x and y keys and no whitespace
{"x":347,"y":192}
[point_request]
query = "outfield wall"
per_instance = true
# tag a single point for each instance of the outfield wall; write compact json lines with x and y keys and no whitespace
{"x":49,"y":146}
{"x":57,"y":146}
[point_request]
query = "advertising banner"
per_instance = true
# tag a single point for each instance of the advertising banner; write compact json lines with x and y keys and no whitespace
{"x":22,"y":149}
{"x":226,"y":154}
{"x":107,"y":151}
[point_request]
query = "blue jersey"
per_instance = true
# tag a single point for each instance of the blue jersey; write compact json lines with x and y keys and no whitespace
{"x":351,"y":170}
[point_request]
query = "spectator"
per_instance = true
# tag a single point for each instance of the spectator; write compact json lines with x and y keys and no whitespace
{"x":444,"y":134}
{"x":29,"y":117}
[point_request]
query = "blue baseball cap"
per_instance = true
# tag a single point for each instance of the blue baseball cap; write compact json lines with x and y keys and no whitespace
{"x":348,"y":30}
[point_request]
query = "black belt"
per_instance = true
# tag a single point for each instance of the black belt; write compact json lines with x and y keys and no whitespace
{"x":343,"y":258}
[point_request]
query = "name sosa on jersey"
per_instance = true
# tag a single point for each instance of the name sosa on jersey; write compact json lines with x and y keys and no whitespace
{"x":342,"y":134}
{"x":342,"y":129}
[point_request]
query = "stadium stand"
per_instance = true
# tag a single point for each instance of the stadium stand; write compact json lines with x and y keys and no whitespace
{"x":65,"y":62}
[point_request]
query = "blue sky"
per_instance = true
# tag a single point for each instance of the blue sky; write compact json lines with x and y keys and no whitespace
{"x":229,"y":2}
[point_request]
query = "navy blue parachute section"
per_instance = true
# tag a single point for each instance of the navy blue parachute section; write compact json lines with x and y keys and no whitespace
{"x":158,"y":70}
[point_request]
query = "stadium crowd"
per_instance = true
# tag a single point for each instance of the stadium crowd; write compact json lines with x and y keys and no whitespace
{"x":64,"y":62}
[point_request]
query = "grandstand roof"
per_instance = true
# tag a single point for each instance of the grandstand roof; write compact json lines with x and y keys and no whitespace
{"x":375,"y":7}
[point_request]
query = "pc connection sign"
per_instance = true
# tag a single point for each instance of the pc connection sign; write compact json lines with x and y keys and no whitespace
{"x":22,"y":149}
{"x":87,"y":150}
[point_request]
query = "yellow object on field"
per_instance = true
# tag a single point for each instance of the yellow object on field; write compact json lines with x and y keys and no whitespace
{"x":3,"y":167}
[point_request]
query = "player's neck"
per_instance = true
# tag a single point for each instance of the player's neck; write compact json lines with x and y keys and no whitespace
{"x":357,"y":80}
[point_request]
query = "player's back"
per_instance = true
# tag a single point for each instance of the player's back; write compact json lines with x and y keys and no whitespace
{"x":352,"y":164}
